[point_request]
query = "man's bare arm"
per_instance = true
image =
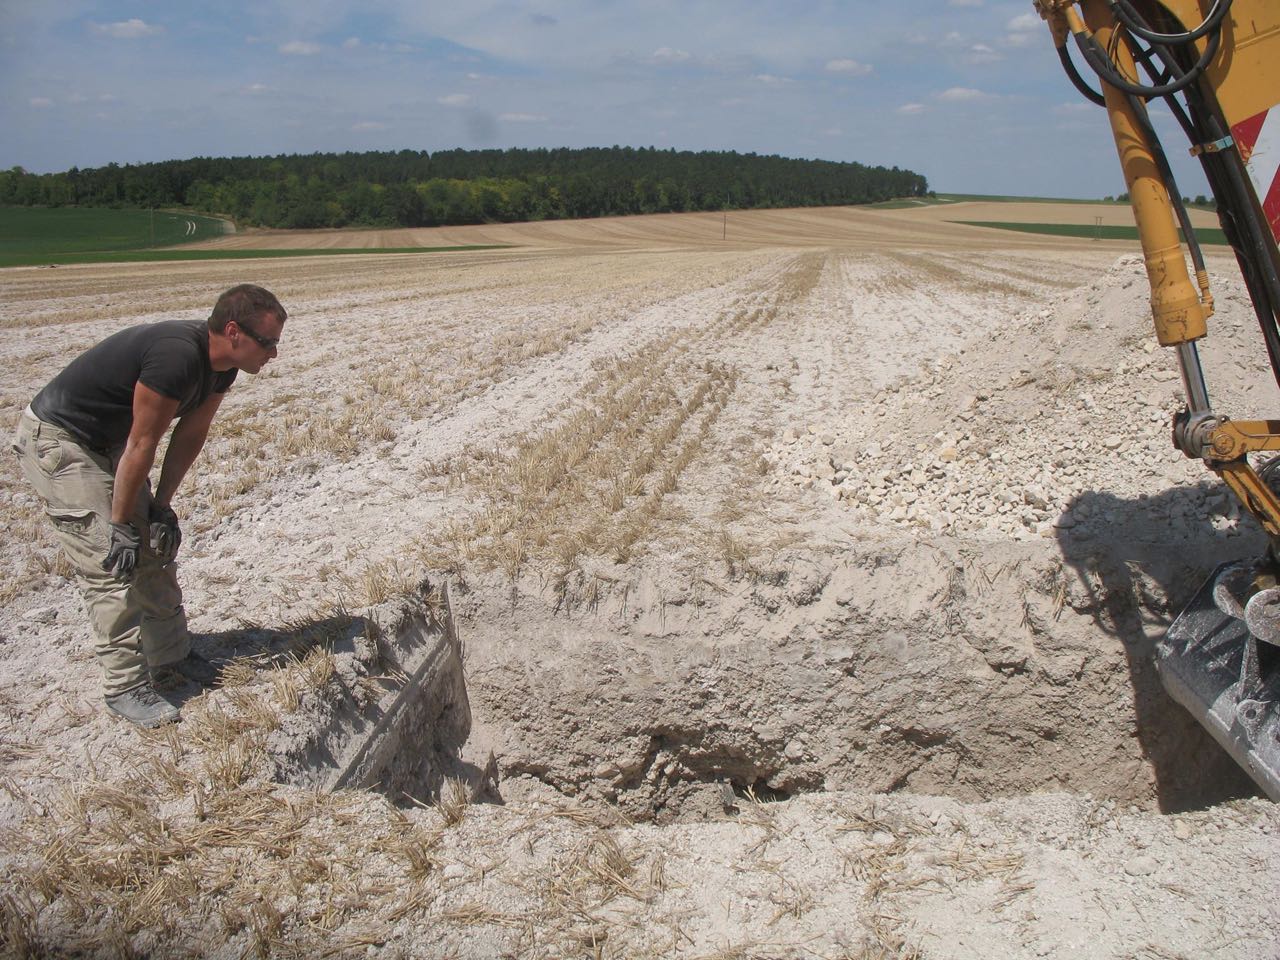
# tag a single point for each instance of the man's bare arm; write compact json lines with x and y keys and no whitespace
{"x":185,"y":445}
{"x":152,"y":414}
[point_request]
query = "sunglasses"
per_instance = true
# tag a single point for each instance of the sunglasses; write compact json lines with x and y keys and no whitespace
{"x":266,"y":343}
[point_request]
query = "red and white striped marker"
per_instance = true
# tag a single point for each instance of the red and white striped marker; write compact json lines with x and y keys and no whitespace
{"x":1259,"y":143}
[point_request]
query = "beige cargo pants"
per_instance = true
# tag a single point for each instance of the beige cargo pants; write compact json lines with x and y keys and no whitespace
{"x":135,"y":624}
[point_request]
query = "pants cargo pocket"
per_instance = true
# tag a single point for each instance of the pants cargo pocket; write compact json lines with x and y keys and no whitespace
{"x":74,"y":523}
{"x":82,"y":537}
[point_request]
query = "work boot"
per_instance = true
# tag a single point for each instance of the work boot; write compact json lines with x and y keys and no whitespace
{"x":192,"y":668}
{"x":143,"y":706}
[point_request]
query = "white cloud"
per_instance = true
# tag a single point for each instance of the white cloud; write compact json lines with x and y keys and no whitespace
{"x":355,"y":43}
{"x":833,"y":132}
{"x":770,"y":80}
{"x":300,"y":48}
{"x":40,"y":102}
{"x":670,"y":55}
{"x":255,"y":89}
{"x":910,"y":108}
{"x":1023,"y":39}
{"x":1025,"y":30}
{"x":981,"y":53}
{"x":127,"y":29}
{"x":454,"y":99}
{"x":961,"y":94}
{"x":964,"y":3}
{"x":852,"y":67}
{"x":522,"y":117}
{"x":365,"y":126}
{"x":1075,"y":107}
{"x":77,"y":98}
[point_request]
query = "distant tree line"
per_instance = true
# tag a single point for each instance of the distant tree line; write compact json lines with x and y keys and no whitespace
{"x":414,"y":188}
{"x":1208,"y":203}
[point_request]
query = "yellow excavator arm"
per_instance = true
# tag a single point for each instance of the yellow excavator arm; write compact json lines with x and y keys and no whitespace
{"x":1216,"y":65}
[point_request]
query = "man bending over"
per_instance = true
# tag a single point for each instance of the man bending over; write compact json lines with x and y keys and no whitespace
{"x":87,"y":444}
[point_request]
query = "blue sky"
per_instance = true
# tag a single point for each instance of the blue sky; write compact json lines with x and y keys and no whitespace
{"x":967,"y":92}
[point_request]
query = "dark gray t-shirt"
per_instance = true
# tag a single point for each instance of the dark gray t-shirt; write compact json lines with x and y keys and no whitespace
{"x":93,"y":396}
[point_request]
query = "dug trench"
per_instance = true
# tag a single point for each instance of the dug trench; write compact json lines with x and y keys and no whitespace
{"x":662,"y":598}
{"x":938,"y":668}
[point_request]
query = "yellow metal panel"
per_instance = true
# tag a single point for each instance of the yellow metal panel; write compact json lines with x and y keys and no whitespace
{"x":1246,"y":73}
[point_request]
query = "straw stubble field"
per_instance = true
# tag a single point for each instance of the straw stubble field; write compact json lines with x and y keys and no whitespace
{"x":805,"y":607}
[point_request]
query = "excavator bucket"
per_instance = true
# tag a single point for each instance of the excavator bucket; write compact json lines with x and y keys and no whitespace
{"x":1227,"y":678}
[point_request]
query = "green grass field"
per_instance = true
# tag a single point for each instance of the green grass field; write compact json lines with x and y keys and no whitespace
{"x":154,"y":256}
{"x":941,"y":199}
{"x":1206,"y":235}
{"x":37,"y":236}
{"x":996,"y":198}
{"x":39,"y":231}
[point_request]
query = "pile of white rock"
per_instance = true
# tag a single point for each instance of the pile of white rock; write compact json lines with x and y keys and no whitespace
{"x":1057,"y":442}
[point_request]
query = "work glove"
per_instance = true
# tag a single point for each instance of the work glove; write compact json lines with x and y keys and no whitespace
{"x":165,"y":533}
{"x":122,"y":551}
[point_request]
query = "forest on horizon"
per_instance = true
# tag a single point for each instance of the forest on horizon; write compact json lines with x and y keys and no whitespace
{"x":415,"y":188}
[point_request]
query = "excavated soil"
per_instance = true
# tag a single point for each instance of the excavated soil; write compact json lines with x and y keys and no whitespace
{"x":634,"y":592}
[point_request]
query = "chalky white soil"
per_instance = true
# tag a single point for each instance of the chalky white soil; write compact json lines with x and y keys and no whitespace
{"x":807,"y":580}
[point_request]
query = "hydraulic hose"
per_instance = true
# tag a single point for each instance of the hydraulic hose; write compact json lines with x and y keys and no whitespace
{"x":1175,"y":107}
{"x":1102,"y":65}
{"x":1077,"y":81}
{"x":1259,"y":272}
{"x":1132,"y":20}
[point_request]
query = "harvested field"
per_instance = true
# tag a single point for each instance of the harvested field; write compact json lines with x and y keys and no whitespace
{"x":632,"y":592}
{"x":925,"y":227}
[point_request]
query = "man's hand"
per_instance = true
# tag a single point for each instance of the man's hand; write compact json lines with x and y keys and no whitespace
{"x":166,"y":535}
{"x":122,"y":551}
